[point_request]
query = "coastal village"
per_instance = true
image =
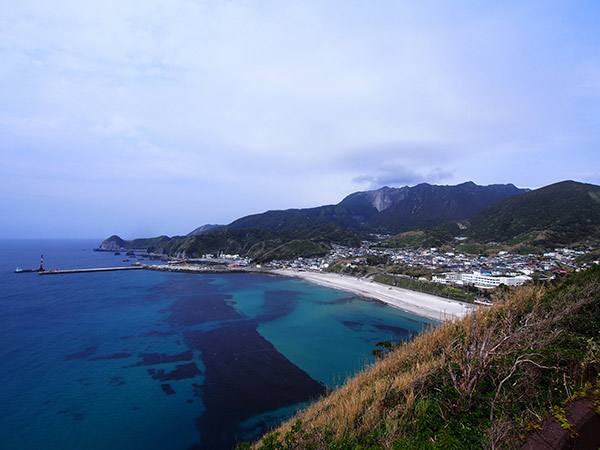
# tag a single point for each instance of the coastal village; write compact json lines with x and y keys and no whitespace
{"x":455,"y":268}
{"x":446,"y":268}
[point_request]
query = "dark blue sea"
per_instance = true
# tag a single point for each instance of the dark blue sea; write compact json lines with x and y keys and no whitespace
{"x":157,"y":360}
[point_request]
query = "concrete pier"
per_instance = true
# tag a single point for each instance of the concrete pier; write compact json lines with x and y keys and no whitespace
{"x":163,"y":268}
{"x":99,"y":269}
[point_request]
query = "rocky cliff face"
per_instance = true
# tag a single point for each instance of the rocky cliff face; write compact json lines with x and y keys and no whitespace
{"x":385,"y":197}
{"x":113,"y":243}
{"x":402,"y":209}
{"x":110,"y":246}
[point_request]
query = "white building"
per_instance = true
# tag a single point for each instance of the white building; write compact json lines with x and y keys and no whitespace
{"x":447,"y":278}
{"x":488,"y":281}
{"x":480,"y":280}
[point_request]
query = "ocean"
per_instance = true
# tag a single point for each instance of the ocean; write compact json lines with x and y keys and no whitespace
{"x":160,"y":360}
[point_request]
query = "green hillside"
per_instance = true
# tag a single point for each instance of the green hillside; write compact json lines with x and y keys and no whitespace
{"x":258,"y":244}
{"x":398,"y":209}
{"x":428,"y":205}
{"x":565,"y":214}
{"x":486,"y":381}
{"x":289,"y":219}
{"x":115,"y":242}
{"x":562,"y":214}
{"x":437,"y":236}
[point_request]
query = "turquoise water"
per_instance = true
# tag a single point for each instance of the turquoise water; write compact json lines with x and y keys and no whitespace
{"x":161,"y":360}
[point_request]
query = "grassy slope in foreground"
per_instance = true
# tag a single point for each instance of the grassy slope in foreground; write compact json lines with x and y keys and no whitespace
{"x":483,"y":382}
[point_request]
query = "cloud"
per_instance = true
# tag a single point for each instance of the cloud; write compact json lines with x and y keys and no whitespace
{"x":251,"y":105}
{"x":397,"y":175}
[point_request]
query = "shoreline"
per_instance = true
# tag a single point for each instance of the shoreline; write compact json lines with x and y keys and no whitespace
{"x":417,"y":303}
{"x":420,"y":304}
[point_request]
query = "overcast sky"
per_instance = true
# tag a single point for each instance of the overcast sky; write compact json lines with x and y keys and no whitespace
{"x":148,"y":117}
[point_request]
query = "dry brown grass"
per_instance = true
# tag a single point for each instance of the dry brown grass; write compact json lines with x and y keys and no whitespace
{"x":497,"y":344}
{"x":360,"y":404}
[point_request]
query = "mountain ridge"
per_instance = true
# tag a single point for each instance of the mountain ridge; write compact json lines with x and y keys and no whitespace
{"x":568,"y":210}
{"x":388,"y":209}
{"x":204,"y":229}
{"x":561,"y":214}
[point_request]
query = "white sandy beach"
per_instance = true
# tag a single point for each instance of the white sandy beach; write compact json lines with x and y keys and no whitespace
{"x":418,"y":303}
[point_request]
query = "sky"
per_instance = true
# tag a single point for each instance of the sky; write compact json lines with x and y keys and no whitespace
{"x":145,"y":117}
